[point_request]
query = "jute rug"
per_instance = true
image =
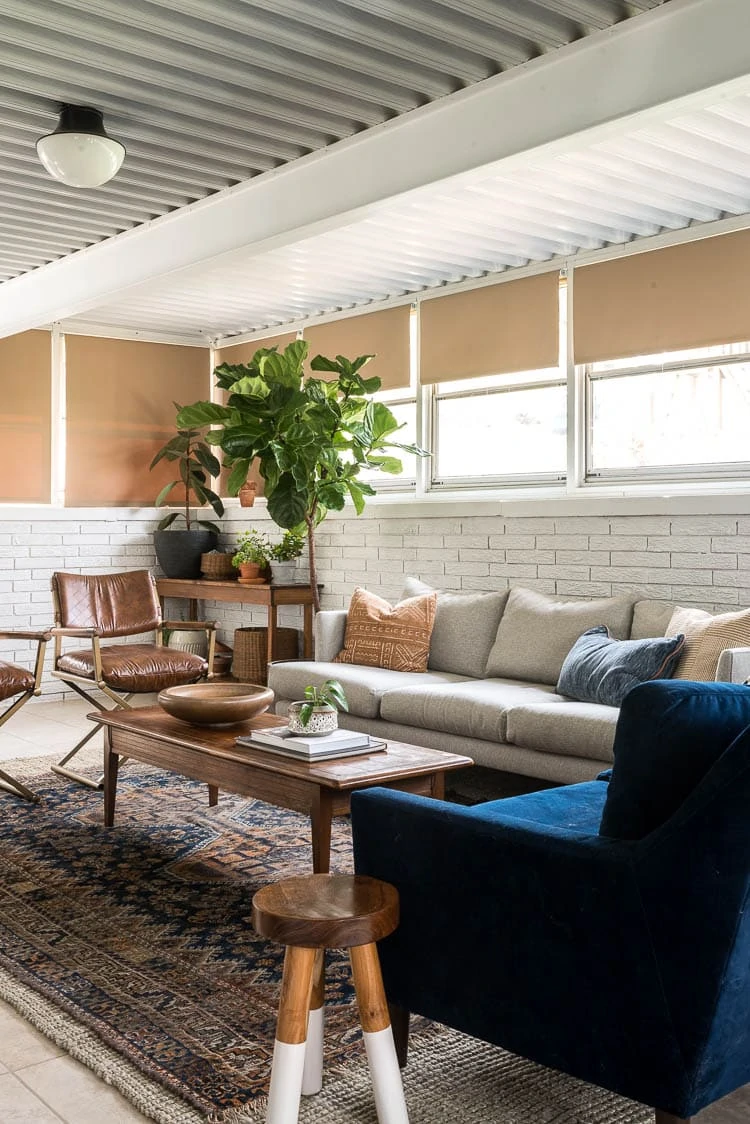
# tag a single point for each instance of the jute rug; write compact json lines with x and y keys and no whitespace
{"x":132,"y":948}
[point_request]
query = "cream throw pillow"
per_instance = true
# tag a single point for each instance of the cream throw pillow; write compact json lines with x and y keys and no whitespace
{"x":381,"y":635}
{"x":706,"y":637}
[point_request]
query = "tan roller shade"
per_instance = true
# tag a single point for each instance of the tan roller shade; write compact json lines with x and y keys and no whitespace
{"x":243,"y":352}
{"x":383,"y":334}
{"x":511,"y":326}
{"x":25,"y":413}
{"x":694,"y":295}
{"x":120,"y":396}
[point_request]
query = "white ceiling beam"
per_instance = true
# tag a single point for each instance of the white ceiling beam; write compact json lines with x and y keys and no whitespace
{"x":685,"y":55}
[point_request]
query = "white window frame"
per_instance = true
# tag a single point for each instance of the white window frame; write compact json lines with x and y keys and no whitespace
{"x":694,"y":473}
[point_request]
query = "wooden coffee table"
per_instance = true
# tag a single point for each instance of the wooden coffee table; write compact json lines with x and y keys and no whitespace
{"x":322,"y":790}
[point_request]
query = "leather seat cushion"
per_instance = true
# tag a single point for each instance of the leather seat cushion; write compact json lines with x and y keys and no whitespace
{"x":14,"y":680}
{"x":137,"y":667}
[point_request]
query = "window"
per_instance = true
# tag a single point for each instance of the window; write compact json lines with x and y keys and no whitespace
{"x":681,"y":413}
{"x":500,"y":429}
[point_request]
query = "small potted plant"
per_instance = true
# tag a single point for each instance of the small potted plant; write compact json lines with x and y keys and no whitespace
{"x":318,"y":713}
{"x":284,"y":557}
{"x":252,"y":555}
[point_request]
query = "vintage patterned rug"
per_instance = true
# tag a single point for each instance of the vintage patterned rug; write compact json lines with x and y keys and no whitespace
{"x":133,"y":948}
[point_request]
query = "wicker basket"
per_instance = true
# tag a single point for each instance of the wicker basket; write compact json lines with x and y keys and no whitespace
{"x":250,"y":648}
{"x":218,"y":567}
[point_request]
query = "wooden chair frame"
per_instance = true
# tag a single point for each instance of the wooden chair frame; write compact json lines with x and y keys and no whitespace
{"x":7,"y":782}
{"x":83,"y":685}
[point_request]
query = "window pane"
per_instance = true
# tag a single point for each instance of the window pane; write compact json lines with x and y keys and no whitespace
{"x":694,"y":416}
{"x":509,"y":433}
{"x":405,"y":414}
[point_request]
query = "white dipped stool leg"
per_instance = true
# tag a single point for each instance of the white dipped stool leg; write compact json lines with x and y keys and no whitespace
{"x":312,"y":1080}
{"x":378,"y":1036}
{"x":291,"y":1030}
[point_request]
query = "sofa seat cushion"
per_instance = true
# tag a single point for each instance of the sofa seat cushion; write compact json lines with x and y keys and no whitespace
{"x":580,"y":729}
{"x":363,"y":686}
{"x":576,"y":807}
{"x":477,"y":708}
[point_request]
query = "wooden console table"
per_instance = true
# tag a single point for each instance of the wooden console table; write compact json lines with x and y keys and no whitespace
{"x":196,"y":589}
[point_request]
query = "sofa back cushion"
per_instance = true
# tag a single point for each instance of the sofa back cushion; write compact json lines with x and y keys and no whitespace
{"x":668,"y":736}
{"x":650,"y":618}
{"x":537,"y":631}
{"x":379,"y":634}
{"x":465,"y":628}
{"x":706,"y":637}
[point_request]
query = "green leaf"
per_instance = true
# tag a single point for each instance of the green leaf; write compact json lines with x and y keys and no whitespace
{"x":200,"y":414}
{"x":320,"y":363}
{"x":168,"y":520}
{"x":333,"y":495}
{"x":165,"y":492}
{"x":391,"y":465}
{"x":287,"y":506}
{"x":209,"y":525}
{"x":238,"y":476}
{"x":305,"y":713}
{"x":207,"y":459}
{"x":358,"y":499}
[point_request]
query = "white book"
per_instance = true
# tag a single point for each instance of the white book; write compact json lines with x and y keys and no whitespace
{"x":373,"y":745}
{"x":282,"y":736}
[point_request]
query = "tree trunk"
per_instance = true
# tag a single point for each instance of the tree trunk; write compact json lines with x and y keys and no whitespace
{"x":313,"y":567}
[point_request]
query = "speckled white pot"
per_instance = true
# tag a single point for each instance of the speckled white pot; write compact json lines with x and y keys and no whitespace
{"x":323,"y":720}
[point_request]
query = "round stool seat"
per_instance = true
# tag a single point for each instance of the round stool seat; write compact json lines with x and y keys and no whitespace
{"x":326,"y":911}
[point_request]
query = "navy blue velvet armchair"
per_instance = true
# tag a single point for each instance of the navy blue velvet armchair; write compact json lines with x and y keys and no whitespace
{"x":599,"y":928}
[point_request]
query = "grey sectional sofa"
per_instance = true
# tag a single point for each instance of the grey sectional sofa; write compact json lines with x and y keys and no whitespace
{"x":489,"y":690}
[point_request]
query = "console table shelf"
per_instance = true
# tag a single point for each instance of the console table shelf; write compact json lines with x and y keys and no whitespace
{"x":196,"y":589}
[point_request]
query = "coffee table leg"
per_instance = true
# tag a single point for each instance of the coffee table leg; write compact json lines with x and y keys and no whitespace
{"x":111,"y":765}
{"x":438,"y":786}
{"x":213,"y":795}
{"x":321,"y":815}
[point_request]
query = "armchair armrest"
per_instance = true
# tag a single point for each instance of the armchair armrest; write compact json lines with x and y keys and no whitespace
{"x":733,"y":666}
{"x":330,"y":627}
{"x":20,"y":634}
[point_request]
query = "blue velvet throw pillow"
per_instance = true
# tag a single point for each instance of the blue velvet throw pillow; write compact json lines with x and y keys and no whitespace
{"x":600,"y":669}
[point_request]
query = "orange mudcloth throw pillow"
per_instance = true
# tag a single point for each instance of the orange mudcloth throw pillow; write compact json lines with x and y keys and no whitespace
{"x":382,"y":635}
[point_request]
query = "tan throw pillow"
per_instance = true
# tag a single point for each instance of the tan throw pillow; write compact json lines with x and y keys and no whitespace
{"x":706,"y":637}
{"x":381,"y":635}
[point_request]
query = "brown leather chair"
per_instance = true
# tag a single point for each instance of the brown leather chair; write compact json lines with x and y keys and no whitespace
{"x":20,"y":684}
{"x":96,"y":607}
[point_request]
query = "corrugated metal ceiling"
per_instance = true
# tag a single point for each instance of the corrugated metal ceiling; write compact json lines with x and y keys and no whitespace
{"x":208,"y":93}
{"x":690,"y":169}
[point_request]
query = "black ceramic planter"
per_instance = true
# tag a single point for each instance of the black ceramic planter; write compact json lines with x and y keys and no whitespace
{"x":179,"y":552}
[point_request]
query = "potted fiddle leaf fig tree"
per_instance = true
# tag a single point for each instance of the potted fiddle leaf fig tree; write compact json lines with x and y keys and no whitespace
{"x":179,"y":551}
{"x":311,"y":437}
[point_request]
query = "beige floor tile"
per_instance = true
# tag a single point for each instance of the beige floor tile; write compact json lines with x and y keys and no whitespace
{"x":20,"y":1044}
{"x":77,"y":1095}
{"x":18,"y":1105}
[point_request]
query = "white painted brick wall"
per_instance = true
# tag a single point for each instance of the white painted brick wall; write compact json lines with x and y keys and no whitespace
{"x":701,"y":560}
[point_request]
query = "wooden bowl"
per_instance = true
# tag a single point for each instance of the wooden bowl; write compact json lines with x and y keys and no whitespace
{"x":215,"y":704}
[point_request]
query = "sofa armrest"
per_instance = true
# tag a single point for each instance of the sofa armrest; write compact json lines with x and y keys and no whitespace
{"x":330,"y":626}
{"x":733,"y":666}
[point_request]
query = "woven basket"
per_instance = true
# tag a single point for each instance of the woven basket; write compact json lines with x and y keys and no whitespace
{"x":218,"y":567}
{"x":250,"y":647}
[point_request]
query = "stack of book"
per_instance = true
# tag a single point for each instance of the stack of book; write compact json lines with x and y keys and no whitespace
{"x":339,"y":743}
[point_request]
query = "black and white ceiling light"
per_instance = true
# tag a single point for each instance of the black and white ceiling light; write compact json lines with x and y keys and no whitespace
{"x":79,"y":152}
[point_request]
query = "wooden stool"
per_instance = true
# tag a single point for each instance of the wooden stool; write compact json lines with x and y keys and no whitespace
{"x":309,"y":915}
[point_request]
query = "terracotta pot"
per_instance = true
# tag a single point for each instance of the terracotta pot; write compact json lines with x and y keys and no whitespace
{"x":250,"y":570}
{"x":247,"y":493}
